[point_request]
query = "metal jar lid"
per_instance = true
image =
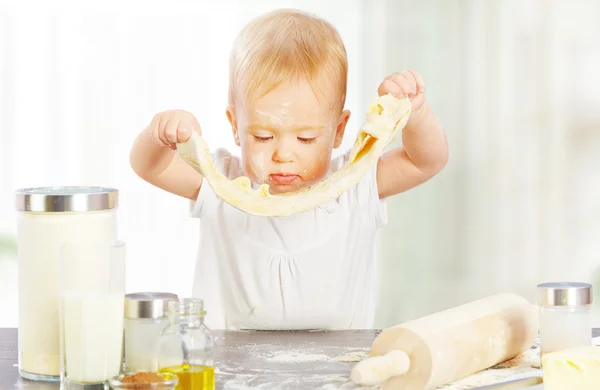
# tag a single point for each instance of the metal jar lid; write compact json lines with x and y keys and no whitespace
{"x":564,"y":294}
{"x":66,"y":199}
{"x":148,"y":304}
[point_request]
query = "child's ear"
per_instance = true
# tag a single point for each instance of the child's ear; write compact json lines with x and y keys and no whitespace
{"x":232,"y":120}
{"x":341,"y":128}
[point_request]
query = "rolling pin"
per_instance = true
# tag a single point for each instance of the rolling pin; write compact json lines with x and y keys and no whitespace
{"x":447,"y":346}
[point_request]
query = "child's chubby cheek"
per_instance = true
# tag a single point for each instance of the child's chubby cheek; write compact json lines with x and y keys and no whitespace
{"x":316,"y":169}
{"x":259,"y":166}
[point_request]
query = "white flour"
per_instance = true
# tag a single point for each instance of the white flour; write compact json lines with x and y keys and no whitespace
{"x":296,"y":357}
{"x":243,"y":382}
{"x":272,"y":367}
{"x":351,"y":357}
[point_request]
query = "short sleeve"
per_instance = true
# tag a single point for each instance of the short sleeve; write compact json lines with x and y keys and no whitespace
{"x":196,"y":205}
{"x":226,"y":163}
{"x":365,"y":193}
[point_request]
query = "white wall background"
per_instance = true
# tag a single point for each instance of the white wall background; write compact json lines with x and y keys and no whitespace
{"x":78,"y":82}
{"x":515,"y":83}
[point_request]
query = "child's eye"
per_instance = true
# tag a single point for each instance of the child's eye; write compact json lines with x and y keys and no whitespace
{"x":305,"y":140}
{"x":263,"y":138}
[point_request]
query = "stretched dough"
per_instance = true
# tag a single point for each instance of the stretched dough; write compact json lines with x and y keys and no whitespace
{"x":386,"y":117}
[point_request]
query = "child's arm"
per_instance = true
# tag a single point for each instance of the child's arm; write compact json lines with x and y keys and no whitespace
{"x":424,"y":149}
{"x":154,"y":159}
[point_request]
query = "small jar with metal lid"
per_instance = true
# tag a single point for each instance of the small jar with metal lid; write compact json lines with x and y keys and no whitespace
{"x":565,"y":315}
{"x":146,"y":316}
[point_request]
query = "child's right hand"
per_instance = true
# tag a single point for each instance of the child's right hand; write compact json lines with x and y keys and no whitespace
{"x":169,"y":128}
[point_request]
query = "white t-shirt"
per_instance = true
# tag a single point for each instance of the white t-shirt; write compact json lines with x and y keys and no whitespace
{"x":313,"y":270}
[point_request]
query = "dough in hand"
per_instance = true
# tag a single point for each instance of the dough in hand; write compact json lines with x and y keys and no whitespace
{"x":377,"y":369}
{"x":385,"y":119}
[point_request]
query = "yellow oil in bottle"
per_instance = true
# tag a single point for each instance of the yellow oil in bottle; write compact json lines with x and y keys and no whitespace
{"x":193,"y":377}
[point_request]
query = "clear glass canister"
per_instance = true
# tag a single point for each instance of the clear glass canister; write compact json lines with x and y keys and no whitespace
{"x":565,"y":315}
{"x":186,"y":346}
{"x":48,"y":217}
{"x":146,"y":317}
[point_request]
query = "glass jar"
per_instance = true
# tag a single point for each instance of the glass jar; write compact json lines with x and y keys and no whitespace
{"x":186,"y":346}
{"x":565,"y":316}
{"x":145,"y":320}
{"x":47,"y":218}
{"x":91,"y":305}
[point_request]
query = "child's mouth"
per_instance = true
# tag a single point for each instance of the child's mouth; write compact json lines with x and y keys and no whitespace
{"x":283,"y":178}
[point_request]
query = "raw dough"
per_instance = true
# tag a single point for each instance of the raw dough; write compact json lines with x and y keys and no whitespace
{"x":375,"y":370}
{"x":385,"y":119}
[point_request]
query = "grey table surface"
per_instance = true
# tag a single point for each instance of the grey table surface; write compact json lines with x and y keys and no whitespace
{"x":268,"y":360}
{"x":250,"y":359}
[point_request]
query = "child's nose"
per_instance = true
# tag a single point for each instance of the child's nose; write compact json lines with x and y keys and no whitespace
{"x":283,"y":152}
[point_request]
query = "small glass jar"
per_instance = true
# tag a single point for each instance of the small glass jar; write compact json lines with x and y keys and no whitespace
{"x":565,"y":316}
{"x":145,"y":319}
{"x":186,"y":346}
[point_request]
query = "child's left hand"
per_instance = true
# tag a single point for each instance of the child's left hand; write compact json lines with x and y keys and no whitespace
{"x":401,"y":84}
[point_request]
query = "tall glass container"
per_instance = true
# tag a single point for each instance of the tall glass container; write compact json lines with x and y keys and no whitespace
{"x":48,"y":217}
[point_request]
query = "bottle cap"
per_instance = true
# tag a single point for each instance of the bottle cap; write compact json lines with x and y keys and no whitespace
{"x":148,"y":304}
{"x":564,"y":294}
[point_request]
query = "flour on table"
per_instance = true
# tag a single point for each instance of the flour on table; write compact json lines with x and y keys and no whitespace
{"x":295,"y":357}
{"x":348,"y":386}
{"x":341,"y":379}
{"x":315,"y":381}
{"x":352,"y":357}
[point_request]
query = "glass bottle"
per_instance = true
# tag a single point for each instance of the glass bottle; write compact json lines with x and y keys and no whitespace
{"x":186,"y":346}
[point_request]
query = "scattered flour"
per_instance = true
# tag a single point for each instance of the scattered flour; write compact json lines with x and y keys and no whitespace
{"x":345,"y":383}
{"x":351,"y":357}
{"x":342,"y":379}
{"x":316,"y":381}
{"x":296,"y":357}
{"x":348,"y":386}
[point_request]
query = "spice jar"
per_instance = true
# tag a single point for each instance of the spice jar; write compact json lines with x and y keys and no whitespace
{"x":145,"y":319}
{"x":186,"y":346}
{"x":565,"y":316}
{"x":47,"y":218}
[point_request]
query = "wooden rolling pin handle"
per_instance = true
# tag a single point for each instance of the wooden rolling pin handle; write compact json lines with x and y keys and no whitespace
{"x":377,"y":369}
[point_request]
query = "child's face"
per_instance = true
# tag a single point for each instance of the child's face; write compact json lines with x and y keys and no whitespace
{"x":287,"y":136}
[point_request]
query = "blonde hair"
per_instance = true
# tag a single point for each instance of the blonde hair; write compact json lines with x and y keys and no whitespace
{"x":287,"y":45}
